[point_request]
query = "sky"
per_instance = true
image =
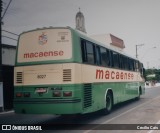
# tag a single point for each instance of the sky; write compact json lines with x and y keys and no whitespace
{"x":135,"y":21}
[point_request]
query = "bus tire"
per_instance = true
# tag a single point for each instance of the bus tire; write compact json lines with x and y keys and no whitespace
{"x":109,"y":104}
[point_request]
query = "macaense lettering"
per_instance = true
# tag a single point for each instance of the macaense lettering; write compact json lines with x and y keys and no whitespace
{"x":43,"y":54}
{"x":113,"y":74}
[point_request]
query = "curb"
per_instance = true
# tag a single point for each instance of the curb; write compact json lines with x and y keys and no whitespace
{"x":6,"y":112}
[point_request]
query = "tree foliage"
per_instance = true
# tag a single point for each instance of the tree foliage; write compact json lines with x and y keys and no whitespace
{"x":152,"y":72}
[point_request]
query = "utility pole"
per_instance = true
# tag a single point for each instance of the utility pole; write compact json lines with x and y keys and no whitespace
{"x":1,"y":51}
{"x":137,"y":49}
{"x":1,"y":63}
{"x":5,"y":11}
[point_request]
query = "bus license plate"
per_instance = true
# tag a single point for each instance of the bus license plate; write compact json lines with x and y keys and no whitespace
{"x":41,"y":90}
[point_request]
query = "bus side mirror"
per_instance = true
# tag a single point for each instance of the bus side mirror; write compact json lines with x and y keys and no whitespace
{"x":143,"y":72}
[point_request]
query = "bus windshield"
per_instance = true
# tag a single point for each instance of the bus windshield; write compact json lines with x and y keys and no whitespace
{"x":44,"y":45}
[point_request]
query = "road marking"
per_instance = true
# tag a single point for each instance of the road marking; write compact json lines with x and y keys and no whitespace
{"x":105,"y":122}
{"x":153,"y":130}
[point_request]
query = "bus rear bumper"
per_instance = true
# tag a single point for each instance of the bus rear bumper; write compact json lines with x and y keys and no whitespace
{"x":48,"y":106}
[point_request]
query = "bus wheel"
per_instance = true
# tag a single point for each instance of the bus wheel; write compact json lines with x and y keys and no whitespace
{"x":109,"y":104}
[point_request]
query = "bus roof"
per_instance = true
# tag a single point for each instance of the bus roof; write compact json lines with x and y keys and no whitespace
{"x":84,"y":36}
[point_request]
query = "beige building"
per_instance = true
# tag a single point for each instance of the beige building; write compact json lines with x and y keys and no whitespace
{"x":110,"y":40}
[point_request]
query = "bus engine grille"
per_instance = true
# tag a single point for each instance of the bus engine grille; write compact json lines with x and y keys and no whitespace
{"x":19,"y":77}
{"x":66,"y":75}
{"x":87,"y":95}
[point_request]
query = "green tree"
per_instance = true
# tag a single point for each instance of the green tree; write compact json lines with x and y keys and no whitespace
{"x":152,"y":72}
{"x":157,"y":72}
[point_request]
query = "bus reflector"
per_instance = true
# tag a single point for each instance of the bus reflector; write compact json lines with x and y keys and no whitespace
{"x":56,"y":94}
{"x":19,"y":94}
{"x":67,"y":93}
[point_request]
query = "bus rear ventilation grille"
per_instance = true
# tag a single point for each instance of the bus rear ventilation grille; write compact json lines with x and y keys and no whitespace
{"x":87,"y":95}
{"x":66,"y":75}
{"x":19,"y":77}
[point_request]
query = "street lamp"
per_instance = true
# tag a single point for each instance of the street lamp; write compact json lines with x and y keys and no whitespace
{"x":138,"y":45}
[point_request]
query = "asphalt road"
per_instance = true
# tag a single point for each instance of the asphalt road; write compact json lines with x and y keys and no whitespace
{"x":144,"y":111}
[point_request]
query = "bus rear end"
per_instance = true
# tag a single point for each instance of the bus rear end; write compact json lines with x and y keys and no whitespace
{"x":44,"y":75}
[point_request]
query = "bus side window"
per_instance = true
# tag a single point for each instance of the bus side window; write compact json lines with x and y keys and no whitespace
{"x":137,"y":66}
{"x":83,"y":48}
{"x":90,"y":53}
{"x":120,"y":61}
{"x":116,"y":59}
{"x":108,"y":58}
{"x":133,"y":63}
{"x":111,"y":59}
{"x":103,"y":54}
{"x":98,"y":57}
{"x":129,"y":64}
{"x":125,"y":63}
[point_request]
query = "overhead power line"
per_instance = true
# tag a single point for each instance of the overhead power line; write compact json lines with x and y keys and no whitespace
{"x":10,"y":32}
{"x":9,"y":38}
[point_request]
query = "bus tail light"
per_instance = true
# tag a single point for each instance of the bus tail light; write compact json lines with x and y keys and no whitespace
{"x":18,"y":94}
{"x":67,"y":93}
{"x":56,"y":94}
